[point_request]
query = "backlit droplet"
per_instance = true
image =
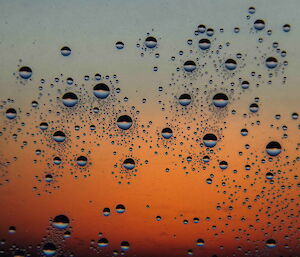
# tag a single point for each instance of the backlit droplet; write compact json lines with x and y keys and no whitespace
{"x":25,"y":72}
{"x":11,"y":113}
{"x":59,"y":136}
{"x":271,"y":62}
{"x":210,"y":140}
{"x":49,"y":249}
{"x":189,"y":66}
{"x":204,"y":44}
{"x":129,"y":164}
{"x":259,"y":24}
{"x":150,"y":42}
{"x":273,"y":148}
{"x":271,"y":243}
{"x":101,"y":91}
{"x":120,"y":208}
{"x":125,"y":245}
{"x":106,"y":211}
{"x":185,"y":99}
{"x":70,"y":99}
{"x":220,"y":100}
{"x":124,"y":122}
{"x":119,"y":45}
{"x":200,"y":242}
{"x":103,"y":242}
{"x":81,"y":161}
{"x":167,"y":133}
{"x":65,"y":51}
{"x":230,"y":64}
{"x":61,"y":222}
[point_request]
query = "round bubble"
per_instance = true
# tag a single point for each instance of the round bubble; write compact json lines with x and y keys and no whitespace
{"x":204,"y":44}
{"x":189,"y":66}
{"x":101,"y":91}
{"x":81,"y":161}
{"x":150,"y":42}
{"x":124,"y":122}
{"x":129,"y":164}
{"x":11,"y":113}
{"x":271,"y":243}
{"x":253,"y":108}
{"x":271,"y":62}
{"x":210,"y":140}
{"x":119,"y":45}
{"x":167,"y":133}
{"x":273,"y":148}
{"x":49,"y":249}
{"x":185,"y":99}
{"x":259,"y":24}
{"x":59,"y":136}
{"x":61,"y":222}
{"x":230,"y":64}
{"x":200,"y":242}
{"x":25,"y":72}
{"x":65,"y":51}
{"x":120,"y":208}
{"x":220,"y":100}
{"x":103,"y":242}
{"x":70,"y":99}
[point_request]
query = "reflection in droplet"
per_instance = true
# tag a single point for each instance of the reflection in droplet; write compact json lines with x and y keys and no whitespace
{"x":150,"y":42}
{"x":189,"y":66}
{"x":167,"y":133}
{"x":185,"y":99}
{"x":59,"y":136}
{"x":25,"y":72}
{"x":61,"y":222}
{"x":129,"y":164}
{"x":11,"y":113}
{"x":273,"y":148}
{"x":124,"y":122}
{"x":70,"y":99}
{"x":210,"y":140}
{"x":220,"y":100}
{"x":101,"y":91}
{"x":65,"y":51}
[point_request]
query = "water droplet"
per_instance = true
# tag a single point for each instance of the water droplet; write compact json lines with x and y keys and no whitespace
{"x":204,"y":44}
{"x":61,"y":222}
{"x":81,"y":161}
{"x":129,"y":164}
{"x":119,"y":45}
{"x":59,"y":136}
{"x":200,"y":242}
{"x":103,"y":242}
{"x":70,"y":99}
{"x":25,"y":72}
{"x":210,"y":140}
{"x":230,"y":64}
{"x":259,"y":24}
{"x":167,"y":133}
{"x":220,"y":100}
{"x":271,"y":243}
{"x":185,"y":99}
{"x":11,"y":113}
{"x":120,"y":208}
{"x":271,"y":62}
{"x":189,"y":66}
{"x":65,"y":51}
{"x":124,"y":122}
{"x":150,"y":42}
{"x":49,"y":249}
{"x":273,"y":148}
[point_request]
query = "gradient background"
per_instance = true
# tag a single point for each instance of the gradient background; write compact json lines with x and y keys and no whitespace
{"x":34,"y":31}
